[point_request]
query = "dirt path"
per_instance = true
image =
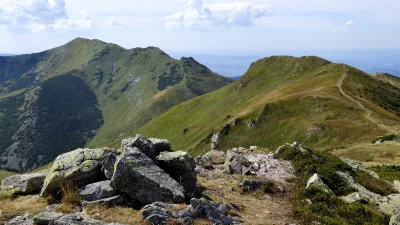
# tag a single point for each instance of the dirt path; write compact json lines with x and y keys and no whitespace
{"x":367,"y":111}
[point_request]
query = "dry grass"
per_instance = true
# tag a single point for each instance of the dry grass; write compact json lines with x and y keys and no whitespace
{"x":115,"y":214}
{"x":372,"y":154}
{"x":10,"y":207}
{"x":255,"y":208}
{"x":70,"y":194}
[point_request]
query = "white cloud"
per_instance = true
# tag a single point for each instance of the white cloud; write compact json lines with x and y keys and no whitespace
{"x":115,"y":22}
{"x":198,"y":15}
{"x":350,"y":23}
{"x":40,"y":15}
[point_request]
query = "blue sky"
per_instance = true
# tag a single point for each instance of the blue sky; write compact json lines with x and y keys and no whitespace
{"x":207,"y":26}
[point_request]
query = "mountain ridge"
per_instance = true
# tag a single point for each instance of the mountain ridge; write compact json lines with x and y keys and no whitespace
{"x":131,"y":86}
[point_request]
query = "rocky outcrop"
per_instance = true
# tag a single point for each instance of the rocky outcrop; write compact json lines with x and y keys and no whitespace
{"x":316,"y":182}
{"x":139,"y":177}
{"x":180,"y":166}
{"x":142,"y":143}
{"x":215,"y":212}
{"x":24,"y":184}
{"x":161,"y":145}
{"x":211,"y":158}
{"x":236,"y":164}
{"x":356,"y":165}
{"x":79,"y":167}
{"x":354,"y":197}
{"x":97,"y":191}
{"x":160,"y":213}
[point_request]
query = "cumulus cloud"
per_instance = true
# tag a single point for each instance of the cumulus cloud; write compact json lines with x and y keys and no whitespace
{"x":198,"y":15}
{"x":350,"y":23}
{"x":39,"y":15}
{"x":115,"y":22}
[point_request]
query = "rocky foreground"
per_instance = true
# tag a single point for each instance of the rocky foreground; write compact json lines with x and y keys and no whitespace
{"x":251,"y":186}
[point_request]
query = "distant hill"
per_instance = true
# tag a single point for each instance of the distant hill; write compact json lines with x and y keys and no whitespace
{"x":285,"y":99}
{"x":88,"y":93}
{"x":393,"y":80}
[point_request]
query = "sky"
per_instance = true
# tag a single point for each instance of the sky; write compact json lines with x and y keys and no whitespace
{"x":202,"y":26}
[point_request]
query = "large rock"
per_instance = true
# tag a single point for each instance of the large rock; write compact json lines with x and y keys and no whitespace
{"x":97,"y":191}
{"x":50,"y":218}
{"x":24,"y":184}
{"x":139,"y":177}
{"x":395,"y":220}
{"x":20,"y":220}
{"x":180,"y":166}
{"x":356,"y":165}
{"x":390,"y":205}
{"x":211,"y":158}
{"x":396,"y":185}
{"x":160,"y":213}
{"x":161,"y":145}
{"x":213,"y":211}
{"x":142,"y":143}
{"x":315,"y":181}
{"x":354,"y":197}
{"x":236,"y":164}
{"x":79,"y":167}
{"x":108,"y":163}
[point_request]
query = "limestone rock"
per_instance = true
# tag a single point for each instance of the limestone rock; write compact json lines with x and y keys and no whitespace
{"x":215,"y":140}
{"x":142,"y":143}
{"x":356,"y":165}
{"x":24,"y":184}
{"x":97,"y":191}
{"x":160,"y":213}
{"x":139,"y":177}
{"x":395,"y":220}
{"x":315,"y":181}
{"x":211,"y":158}
{"x":396,"y":185}
{"x":354,"y":197}
{"x":236,"y":164}
{"x":180,"y":166}
{"x":45,"y":218}
{"x":391,"y":205}
{"x":80,"y":167}
{"x":20,"y":220}
{"x":161,"y":145}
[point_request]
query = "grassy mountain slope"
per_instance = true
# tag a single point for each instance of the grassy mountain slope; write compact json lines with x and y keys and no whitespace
{"x":308,"y":99}
{"x":393,"y":80}
{"x":88,"y":92}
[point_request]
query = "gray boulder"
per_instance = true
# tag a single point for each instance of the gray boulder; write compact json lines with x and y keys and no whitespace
{"x":315,"y":181}
{"x":24,"y":184}
{"x":160,"y":213}
{"x":108,"y":163}
{"x":215,"y":212}
{"x":142,"y":143}
{"x":250,"y":185}
{"x":396,"y":185}
{"x":80,"y":167}
{"x":139,"y":177}
{"x":236,"y":164}
{"x":180,"y":166}
{"x":97,"y":191}
{"x":354,"y":197}
{"x":161,"y":145}
{"x":210,"y":159}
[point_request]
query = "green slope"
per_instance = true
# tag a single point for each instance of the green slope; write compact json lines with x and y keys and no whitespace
{"x":290,"y":99}
{"x":88,"y":93}
{"x":393,"y":80}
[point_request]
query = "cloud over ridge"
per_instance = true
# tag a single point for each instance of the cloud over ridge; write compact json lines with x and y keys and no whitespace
{"x":198,"y":15}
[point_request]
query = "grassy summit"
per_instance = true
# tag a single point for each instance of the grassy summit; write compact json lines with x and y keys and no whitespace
{"x":321,"y":104}
{"x":88,"y":93}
